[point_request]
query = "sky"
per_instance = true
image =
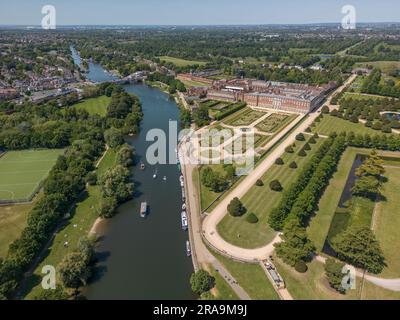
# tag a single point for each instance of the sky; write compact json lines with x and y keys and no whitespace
{"x":195,"y":12}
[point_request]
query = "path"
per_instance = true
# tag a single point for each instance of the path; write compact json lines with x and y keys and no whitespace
{"x":201,"y":255}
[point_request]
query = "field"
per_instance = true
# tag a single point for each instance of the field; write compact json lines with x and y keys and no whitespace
{"x":21,"y":172}
{"x":13,"y":220}
{"x":329,"y":124}
{"x":385,"y":66}
{"x":275,"y":122}
{"x":260,"y":201}
{"x":251,"y":277}
{"x":311,"y":285}
{"x":387,"y":224}
{"x":95,"y":105}
{"x":362,"y":96}
{"x":83,"y":218}
{"x":181,"y":62}
{"x":222,"y":290}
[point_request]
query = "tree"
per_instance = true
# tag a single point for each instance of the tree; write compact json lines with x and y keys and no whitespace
{"x":307,"y":147}
{"x":115,"y":182}
{"x":302,"y":153}
{"x":279,"y":161}
{"x":300,"y":137}
{"x":124,"y":155}
{"x":213,"y":180}
{"x":359,"y":247}
{"x":371,"y":166}
{"x":275,"y":185}
{"x":91,"y":178}
{"x":201,"y":117}
{"x":201,"y":282}
{"x":113,"y":137}
{"x":236,"y":208}
{"x":259,"y":183}
{"x":108,"y":207}
{"x":295,"y":246}
{"x":333,"y":271}
{"x":293,"y":165}
{"x":289,"y":149}
{"x":366,"y":186}
{"x":252,"y":218}
{"x":312,"y":141}
{"x":325,"y":110}
{"x":74,"y":270}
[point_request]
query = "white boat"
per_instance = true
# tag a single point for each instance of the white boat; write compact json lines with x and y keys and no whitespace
{"x":165,"y":178}
{"x":184,"y":206}
{"x":184,"y":220}
{"x":181,"y":179}
{"x":182,"y":184}
{"x":155,"y":174}
{"x":143,"y":209}
{"x":188,"y":251}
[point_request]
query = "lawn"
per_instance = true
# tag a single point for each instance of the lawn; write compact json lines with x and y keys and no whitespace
{"x":329,"y":124}
{"x":21,"y":172}
{"x":246,"y":118}
{"x":83,"y":218}
{"x":181,"y":62}
{"x":261,"y":201}
{"x":222,"y":290}
{"x":95,"y":105}
{"x":311,"y":285}
{"x":191,"y":83}
{"x":13,"y":220}
{"x":361,"y":96}
{"x":320,"y":223}
{"x":387,"y":224}
{"x":371,"y":291}
{"x":251,"y":277}
{"x":385,"y":66}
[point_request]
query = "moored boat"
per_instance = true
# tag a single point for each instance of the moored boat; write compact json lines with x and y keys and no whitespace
{"x":188,"y":251}
{"x":184,"y":220}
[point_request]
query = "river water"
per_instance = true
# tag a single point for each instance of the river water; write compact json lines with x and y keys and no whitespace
{"x":144,"y":258}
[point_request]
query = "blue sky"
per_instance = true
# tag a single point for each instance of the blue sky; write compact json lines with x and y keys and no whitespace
{"x":190,"y":12}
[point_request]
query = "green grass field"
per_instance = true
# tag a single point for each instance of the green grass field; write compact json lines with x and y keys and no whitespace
{"x":261,"y":200}
{"x":385,"y":66}
{"x":361,"y":96}
{"x":95,"y":105}
{"x":222,"y":290}
{"x":83,"y":218}
{"x":251,"y":277}
{"x":388,"y":223}
{"x":330,"y":124}
{"x":311,"y":285}
{"x":13,"y":220}
{"x":181,"y":62}
{"x":21,"y":172}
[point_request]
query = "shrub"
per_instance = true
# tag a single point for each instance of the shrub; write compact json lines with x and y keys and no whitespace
{"x":325,"y":110}
{"x":312,"y":140}
{"x":386,"y":129}
{"x":301,"y":266}
{"x":259,"y":183}
{"x":289,"y":149}
{"x":293,"y":165}
{"x":354,"y":118}
{"x":316,"y":135}
{"x":368,"y":124}
{"x":307,"y":147}
{"x":252,"y":218}
{"x":279,"y":161}
{"x":308,"y":129}
{"x":275,"y":185}
{"x":333,"y":271}
{"x":236,"y":208}
{"x":302,"y":153}
{"x":334,"y":113}
{"x":300,"y":137}
{"x":377,"y":125}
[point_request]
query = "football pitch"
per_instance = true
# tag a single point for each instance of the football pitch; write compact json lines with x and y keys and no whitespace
{"x":21,"y":172}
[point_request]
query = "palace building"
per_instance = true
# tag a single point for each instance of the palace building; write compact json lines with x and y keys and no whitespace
{"x":292,"y":97}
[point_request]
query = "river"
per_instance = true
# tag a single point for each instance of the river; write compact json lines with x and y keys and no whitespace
{"x":144,"y":258}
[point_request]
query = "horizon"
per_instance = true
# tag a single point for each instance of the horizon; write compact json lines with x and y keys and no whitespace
{"x":195,"y":13}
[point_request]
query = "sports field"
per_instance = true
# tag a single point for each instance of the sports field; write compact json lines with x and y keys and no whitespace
{"x":21,"y":172}
{"x":95,"y":105}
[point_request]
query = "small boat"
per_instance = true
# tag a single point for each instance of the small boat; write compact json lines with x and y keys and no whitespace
{"x":181,"y":178}
{"x":188,"y":251}
{"x":165,"y":178}
{"x":143,"y":209}
{"x":142,"y":166}
{"x":155,"y":174}
{"x":184,"y":220}
{"x":184,"y":206}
